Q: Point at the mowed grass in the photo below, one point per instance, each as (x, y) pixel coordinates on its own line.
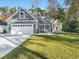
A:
(59, 46)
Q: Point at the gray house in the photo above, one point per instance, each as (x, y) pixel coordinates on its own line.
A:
(22, 22)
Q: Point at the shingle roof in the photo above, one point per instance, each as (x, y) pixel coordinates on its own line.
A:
(3, 22)
(40, 20)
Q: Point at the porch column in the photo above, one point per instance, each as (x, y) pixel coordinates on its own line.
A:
(44, 27)
(36, 27)
(50, 28)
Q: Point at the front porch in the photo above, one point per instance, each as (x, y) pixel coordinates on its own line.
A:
(44, 28)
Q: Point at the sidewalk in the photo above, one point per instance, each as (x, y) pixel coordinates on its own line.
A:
(10, 42)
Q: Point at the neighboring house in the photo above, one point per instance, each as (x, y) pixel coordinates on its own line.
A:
(56, 26)
(3, 26)
(22, 22)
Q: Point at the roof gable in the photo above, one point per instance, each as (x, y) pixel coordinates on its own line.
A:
(40, 21)
(57, 22)
(44, 20)
(47, 20)
(16, 15)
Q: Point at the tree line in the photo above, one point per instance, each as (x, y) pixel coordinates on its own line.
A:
(6, 12)
(68, 15)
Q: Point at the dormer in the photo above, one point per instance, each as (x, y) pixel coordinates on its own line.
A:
(21, 15)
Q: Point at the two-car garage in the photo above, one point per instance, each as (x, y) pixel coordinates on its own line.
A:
(22, 29)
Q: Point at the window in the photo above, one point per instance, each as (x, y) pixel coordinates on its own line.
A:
(14, 25)
(22, 15)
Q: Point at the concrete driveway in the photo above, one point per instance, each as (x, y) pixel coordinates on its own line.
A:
(10, 42)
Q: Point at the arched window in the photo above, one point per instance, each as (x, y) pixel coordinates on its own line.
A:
(22, 15)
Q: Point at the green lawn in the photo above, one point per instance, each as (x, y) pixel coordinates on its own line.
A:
(59, 46)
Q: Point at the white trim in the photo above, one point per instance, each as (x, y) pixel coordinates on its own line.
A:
(30, 14)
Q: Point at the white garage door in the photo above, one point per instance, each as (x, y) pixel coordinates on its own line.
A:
(22, 29)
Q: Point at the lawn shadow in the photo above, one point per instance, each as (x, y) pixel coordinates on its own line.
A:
(26, 52)
(33, 52)
(30, 42)
(67, 41)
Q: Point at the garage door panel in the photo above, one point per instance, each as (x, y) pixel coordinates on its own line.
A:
(22, 29)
